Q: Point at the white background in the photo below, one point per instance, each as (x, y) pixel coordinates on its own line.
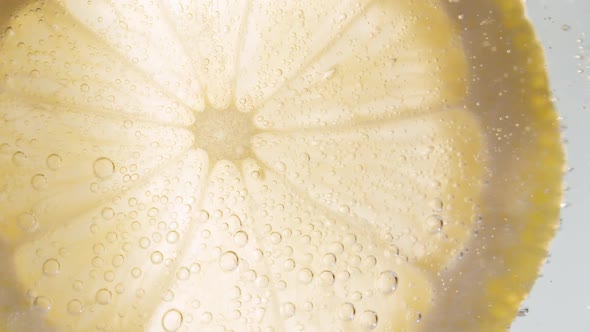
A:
(560, 299)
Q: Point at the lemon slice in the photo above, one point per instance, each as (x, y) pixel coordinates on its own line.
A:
(272, 165)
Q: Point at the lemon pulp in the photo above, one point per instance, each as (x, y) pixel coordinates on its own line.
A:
(282, 166)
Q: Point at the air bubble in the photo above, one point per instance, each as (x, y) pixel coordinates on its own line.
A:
(28, 222)
(156, 257)
(136, 272)
(387, 282)
(172, 236)
(75, 307)
(77, 285)
(172, 320)
(9, 32)
(436, 204)
(39, 182)
(168, 295)
(206, 317)
(369, 320)
(103, 168)
(103, 296)
(329, 260)
(195, 268)
(228, 261)
(144, 242)
(43, 303)
(107, 213)
(119, 288)
(118, 260)
(346, 311)
(262, 282)
(327, 278)
(183, 273)
(109, 276)
(289, 265)
(344, 209)
(305, 276)
(241, 238)
(51, 267)
(434, 223)
(19, 158)
(203, 216)
(275, 238)
(336, 247)
(287, 309)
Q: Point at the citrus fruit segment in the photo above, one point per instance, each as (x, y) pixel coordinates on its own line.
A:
(276, 166)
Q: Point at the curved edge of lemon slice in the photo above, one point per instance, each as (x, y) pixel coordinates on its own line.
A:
(521, 201)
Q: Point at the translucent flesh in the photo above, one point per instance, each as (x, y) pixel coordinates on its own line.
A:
(218, 165)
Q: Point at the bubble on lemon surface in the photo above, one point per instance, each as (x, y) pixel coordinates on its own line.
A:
(346, 311)
(262, 281)
(228, 261)
(118, 260)
(42, 303)
(144, 242)
(206, 317)
(434, 223)
(203, 216)
(103, 168)
(326, 278)
(75, 307)
(168, 295)
(156, 257)
(183, 273)
(287, 309)
(172, 320)
(387, 282)
(19, 158)
(241, 238)
(39, 181)
(51, 267)
(172, 237)
(289, 265)
(329, 260)
(28, 222)
(103, 296)
(305, 276)
(77, 285)
(108, 213)
(136, 272)
(369, 320)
